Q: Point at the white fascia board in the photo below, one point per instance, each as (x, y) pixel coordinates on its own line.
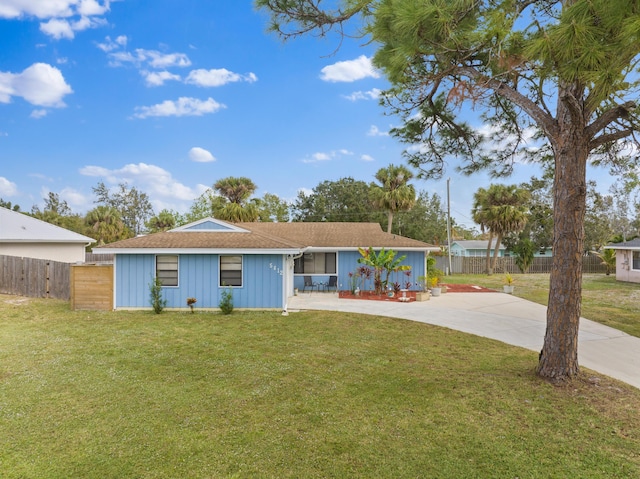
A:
(628, 248)
(311, 249)
(194, 251)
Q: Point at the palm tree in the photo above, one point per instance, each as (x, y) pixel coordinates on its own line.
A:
(106, 225)
(394, 194)
(163, 221)
(237, 191)
(502, 209)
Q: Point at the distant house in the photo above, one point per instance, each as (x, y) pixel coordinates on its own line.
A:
(24, 236)
(471, 248)
(262, 263)
(627, 260)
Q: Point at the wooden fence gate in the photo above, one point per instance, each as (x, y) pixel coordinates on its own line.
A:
(92, 287)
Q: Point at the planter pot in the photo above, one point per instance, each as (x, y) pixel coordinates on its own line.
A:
(423, 296)
(295, 291)
(443, 289)
(508, 288)
(436, 291)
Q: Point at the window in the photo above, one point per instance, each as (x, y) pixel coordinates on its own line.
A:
(167, 269)
(230, 270)
(636, 260)
(315, 263)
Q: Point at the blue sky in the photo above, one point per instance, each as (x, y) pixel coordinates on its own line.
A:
(170, 96)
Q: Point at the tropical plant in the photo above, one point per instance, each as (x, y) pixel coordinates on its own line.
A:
(502, 210)
(525, 252)
(191, 302)
(105, 225)
(394, 193)
(508, 279)
(163, 221)
(607, 259)
(382, 262)
(237, 192)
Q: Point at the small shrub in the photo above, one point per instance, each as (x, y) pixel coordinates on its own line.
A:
(226, 301)
(191, 302)
(155, 296)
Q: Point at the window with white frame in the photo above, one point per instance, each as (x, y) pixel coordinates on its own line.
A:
(167, 269)
(315, 263)
(231, 270)
(636, 260)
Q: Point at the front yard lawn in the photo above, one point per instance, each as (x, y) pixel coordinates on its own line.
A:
(310, 395)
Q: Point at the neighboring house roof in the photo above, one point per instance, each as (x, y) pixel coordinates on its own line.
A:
(476, 244)
(281, 237)
(17, 227)
(631, 244)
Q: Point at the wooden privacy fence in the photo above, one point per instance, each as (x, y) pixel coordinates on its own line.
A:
(36, 278)
(92, 287)
(477, 265)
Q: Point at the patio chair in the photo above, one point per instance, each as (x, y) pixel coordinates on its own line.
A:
(333, 283)
(308, 283)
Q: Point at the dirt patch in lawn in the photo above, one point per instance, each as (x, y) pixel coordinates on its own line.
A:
(467, 288)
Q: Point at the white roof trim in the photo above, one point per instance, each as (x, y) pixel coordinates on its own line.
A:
(199, 251)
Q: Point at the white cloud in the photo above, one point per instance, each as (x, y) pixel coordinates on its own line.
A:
(35, 8)
(110, 45)
(37, 114)
(74, 198)
(200, 155)
(57, 28)
(350, 70)
(375, 131)
(184, 106)
(157, 182)
(366, 158)
(40, 84)
(217, 77)
(152, 58)
(7, 188)
(372, 94)
(60, 14)
(158, 78)
(322, 156)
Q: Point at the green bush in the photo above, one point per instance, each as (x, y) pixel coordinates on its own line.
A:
(155, 296)
(226, 301)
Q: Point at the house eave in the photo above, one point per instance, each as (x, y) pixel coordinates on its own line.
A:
(117, 251)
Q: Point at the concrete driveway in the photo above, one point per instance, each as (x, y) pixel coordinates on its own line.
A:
(498, 316)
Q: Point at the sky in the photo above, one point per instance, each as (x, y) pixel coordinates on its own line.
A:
(170, 96)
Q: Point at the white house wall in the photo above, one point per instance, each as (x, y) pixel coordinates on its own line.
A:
(62, 252)
(624, 271)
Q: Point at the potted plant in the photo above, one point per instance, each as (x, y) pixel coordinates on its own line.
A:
(434, 282)
(508, 284)
(423, 294)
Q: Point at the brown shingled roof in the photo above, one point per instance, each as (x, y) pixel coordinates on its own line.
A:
(336, 235)
(274, 236)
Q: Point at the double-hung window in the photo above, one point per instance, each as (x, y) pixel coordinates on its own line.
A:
(167, 269)
(231, 270)
(636, 260)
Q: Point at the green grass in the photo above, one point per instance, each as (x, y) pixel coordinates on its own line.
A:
(311, 395)
(605, 300)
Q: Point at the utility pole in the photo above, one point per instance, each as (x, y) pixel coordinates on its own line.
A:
(449, 225)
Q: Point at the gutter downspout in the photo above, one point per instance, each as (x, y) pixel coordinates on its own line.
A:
(288, 261)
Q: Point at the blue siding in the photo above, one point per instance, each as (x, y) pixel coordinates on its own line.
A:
(198, 277)
(208, 226)
(348, 263)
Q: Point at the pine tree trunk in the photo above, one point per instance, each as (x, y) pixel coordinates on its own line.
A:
(559, 355)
